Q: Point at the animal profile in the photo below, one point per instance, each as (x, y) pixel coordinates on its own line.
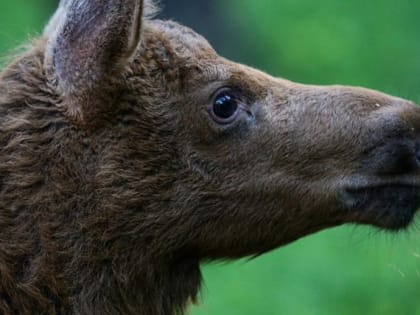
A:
(130, 152)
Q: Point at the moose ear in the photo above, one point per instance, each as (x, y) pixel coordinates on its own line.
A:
(89, 42)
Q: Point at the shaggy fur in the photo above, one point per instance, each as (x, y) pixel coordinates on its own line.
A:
(116, 181)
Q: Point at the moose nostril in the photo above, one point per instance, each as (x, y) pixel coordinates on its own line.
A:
(397, 158)
(418, 152)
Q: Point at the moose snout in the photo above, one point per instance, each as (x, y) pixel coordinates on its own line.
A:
(385, 189)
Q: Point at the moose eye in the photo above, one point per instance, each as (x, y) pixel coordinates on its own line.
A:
(225, 107)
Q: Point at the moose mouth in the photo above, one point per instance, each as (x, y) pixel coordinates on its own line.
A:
(391, 206)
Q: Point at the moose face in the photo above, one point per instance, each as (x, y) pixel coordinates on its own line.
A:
(253, 161)
(270, 160)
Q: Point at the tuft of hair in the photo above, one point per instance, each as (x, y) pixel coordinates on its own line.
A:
(151, 8)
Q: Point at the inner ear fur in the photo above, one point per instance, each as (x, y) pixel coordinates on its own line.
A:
(89, 42)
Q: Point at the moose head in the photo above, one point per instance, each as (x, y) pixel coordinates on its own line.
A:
(131, 152)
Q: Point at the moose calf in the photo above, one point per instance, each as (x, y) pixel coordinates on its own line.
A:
(131, 152)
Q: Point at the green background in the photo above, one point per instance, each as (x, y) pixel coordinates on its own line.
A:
(376, 44)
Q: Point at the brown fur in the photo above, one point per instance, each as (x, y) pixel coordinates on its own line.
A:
(115, 182)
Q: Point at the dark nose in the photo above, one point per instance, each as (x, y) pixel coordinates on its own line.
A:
(418, 152)
(393, 143)
(397, 157)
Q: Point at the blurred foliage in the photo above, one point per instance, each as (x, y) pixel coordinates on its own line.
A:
(343, 271)
(370, 43)
(22, 19)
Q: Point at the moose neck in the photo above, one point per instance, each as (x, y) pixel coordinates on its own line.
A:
(168, 291)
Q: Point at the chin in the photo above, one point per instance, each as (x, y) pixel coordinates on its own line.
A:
(391, 207)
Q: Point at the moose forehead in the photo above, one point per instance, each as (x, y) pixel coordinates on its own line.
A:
(183, 40)
(176, 48)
